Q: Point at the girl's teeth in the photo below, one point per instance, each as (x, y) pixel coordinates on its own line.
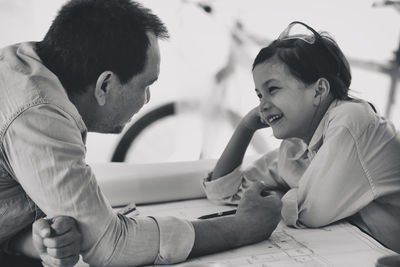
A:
(274, 118)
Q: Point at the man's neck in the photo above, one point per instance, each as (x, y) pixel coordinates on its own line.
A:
(86, 108)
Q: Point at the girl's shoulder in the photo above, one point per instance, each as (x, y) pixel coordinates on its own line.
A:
(352, 114)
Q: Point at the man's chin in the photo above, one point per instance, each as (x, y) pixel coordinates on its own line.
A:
(108, 129)
(117, 129)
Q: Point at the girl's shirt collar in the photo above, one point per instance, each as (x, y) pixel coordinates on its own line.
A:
(317, 139)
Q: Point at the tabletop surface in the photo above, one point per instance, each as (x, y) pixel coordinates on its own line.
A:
(340, 244)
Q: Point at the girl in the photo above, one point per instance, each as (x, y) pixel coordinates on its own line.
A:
(338, 158)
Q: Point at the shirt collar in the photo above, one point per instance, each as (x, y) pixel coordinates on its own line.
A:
(58, 92)
(317, 138)
(301, 148)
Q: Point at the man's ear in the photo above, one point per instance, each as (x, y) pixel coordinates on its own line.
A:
(103, 87)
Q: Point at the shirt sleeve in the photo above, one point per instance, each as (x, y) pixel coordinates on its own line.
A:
(334, 186)
(229, 188)
(47, 155)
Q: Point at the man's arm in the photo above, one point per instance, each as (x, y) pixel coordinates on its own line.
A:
(57, 240)
(56, 245)
(46, 154)
(60, 182)
(256, 218)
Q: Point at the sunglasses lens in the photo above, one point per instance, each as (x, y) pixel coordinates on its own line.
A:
(298, 31)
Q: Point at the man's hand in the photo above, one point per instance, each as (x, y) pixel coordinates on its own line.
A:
(58, 241)
(256, 218)
(259, 213)
(253, 120)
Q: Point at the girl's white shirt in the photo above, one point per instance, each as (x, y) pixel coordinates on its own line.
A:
(351, 166)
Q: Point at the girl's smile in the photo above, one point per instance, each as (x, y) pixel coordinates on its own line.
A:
(273, 119)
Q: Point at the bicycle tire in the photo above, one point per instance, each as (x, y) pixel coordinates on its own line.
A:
(161, 112)
(137, 127)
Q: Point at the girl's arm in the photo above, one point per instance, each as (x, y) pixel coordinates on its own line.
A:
(234, 152)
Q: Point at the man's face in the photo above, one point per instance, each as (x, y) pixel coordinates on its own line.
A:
(127, 99)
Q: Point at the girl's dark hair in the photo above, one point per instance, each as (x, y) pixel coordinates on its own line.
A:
(88, 37)
(309, 62)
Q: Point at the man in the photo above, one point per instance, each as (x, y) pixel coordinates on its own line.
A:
(92, 72)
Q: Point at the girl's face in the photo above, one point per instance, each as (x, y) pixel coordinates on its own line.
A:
(286, 103)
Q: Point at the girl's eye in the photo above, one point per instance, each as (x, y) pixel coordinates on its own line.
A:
(273, 89)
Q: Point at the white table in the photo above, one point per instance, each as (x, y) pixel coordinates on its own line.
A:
(341, 244)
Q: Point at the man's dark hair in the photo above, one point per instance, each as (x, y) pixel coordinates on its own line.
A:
(88, 37)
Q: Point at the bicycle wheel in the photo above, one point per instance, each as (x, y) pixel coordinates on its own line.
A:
(179, 131)
(133, 132)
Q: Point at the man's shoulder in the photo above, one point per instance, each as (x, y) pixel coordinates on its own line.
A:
(25, 83)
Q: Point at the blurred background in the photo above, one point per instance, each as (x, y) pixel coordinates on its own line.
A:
(206, 65)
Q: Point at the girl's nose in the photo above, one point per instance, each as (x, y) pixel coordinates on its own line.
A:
(264, 104)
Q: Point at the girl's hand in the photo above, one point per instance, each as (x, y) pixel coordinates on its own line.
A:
(253, 120)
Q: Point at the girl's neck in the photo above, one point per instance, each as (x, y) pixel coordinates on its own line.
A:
(319, 113)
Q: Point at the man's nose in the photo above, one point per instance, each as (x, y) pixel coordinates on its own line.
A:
(147, 95)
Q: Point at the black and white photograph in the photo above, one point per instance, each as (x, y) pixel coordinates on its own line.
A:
(200, 133)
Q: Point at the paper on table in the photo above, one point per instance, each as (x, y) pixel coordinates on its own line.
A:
(123, 183)
(340, 244)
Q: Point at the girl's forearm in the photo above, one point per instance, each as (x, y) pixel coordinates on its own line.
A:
(234, 152)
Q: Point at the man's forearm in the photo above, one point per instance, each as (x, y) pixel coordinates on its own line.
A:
(223, 233)
(214, 235)
(255, 219)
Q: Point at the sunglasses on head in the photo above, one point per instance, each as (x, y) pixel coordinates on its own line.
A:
(299, 30)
